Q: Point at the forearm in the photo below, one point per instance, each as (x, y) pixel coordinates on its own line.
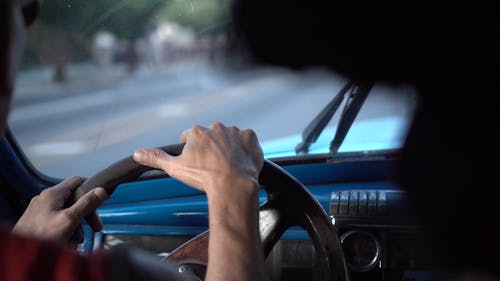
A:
(225, 162)
(235, 248)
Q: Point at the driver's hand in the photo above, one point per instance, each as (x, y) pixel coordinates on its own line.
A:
(48, 218)
(213, 158)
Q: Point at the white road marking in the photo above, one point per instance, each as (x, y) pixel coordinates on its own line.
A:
(173, 110)
(58, 148)
(66, 105)
(122, 126)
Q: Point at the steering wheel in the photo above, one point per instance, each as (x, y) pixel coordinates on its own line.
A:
(289, 204)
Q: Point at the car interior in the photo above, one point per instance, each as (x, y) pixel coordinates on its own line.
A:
(364, 207)
(328, 212)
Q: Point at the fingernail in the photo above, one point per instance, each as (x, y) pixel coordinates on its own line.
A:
(76, 179)
(101, 193)
(140, 155)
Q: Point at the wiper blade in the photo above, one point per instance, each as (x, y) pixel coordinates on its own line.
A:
(318, 124)
(351, 109)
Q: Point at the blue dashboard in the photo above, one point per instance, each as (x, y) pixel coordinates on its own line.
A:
(165, 206)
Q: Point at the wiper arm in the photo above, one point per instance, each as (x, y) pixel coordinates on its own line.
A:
(354, 102)
(318, 124)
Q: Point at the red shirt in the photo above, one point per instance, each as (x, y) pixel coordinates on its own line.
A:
(23, 259)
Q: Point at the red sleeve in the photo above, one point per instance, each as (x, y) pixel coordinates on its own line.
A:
(23, 259)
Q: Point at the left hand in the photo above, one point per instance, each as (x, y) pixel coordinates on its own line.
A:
(47, 217)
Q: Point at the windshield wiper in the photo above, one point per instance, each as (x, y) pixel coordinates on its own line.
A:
(318, 124)
(356, 98)
(353, 104)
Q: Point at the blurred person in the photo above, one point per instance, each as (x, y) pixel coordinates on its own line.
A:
(104, 46)
(36, 249)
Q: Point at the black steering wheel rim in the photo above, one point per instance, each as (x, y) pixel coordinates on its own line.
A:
(289, 204)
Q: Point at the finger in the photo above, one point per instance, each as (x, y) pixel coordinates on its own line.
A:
(219, 131)
(252, 145)
(248, 135)
(87, 204)
(66, 186)
(249, 139)
(184, 135)
(155, 158)
(234, 132)
(217, 126)
(78, 235)
(94, 221)
(195, 130)
(63, 190)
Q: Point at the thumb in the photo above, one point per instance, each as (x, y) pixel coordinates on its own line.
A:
(155, 158)
(87, 204)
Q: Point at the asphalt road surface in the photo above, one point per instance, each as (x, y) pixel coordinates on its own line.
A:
(80, 128)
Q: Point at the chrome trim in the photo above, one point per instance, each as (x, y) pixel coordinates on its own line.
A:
(372, 202)
(334, 203)
(354, 202)
(344, 203)
(375, 258)
(379, 207)
(382, 202)
(362, 203)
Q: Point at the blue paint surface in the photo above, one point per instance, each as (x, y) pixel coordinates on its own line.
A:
(383, 133)
(167, 207)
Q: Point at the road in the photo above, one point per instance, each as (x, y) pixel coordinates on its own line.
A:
(80, 130)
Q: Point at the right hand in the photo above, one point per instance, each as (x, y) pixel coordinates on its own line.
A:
(212, 158)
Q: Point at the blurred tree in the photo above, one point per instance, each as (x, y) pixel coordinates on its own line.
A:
(64, 27)
(199, 15)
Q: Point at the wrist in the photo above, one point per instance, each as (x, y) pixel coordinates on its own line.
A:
(231, 188)
(236, 200)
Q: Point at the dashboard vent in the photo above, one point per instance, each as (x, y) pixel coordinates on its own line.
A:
(367, 203)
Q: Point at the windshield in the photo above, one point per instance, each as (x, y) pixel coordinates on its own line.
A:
(102, 78)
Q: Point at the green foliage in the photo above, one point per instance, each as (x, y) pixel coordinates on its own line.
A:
(128, 18)
(64, 29)
(199, 15)
(125, 18)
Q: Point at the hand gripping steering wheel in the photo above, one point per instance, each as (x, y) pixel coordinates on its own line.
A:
(289, 204)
